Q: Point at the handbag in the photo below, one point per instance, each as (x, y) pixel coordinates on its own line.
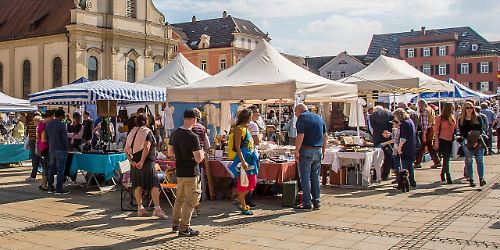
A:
(136, 157)
(243, 177)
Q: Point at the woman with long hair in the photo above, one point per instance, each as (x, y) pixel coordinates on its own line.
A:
(469, 122)
(244, 158)
(444, 131)
(141, 152)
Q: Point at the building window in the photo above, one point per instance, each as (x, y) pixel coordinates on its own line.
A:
(249, 43)
(485, 67)
(131, 9)
(26, 78)
(57, 72)
(203, 65)
(474, 47)
(329, 75)
(342, 74)
(426, 69)
(464, 68)
(222, 64)
(157, 67)
(411, 53)
(343, 62)
(427, 52)
(92, 67)
(130, 71)
(175, 48)
(442, 70)
(1, 77)
(243, 43)
(442, 51)
(256, 43)
(467, 84)
(485, 86)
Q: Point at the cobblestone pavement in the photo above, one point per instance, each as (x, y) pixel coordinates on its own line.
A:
(434, 216)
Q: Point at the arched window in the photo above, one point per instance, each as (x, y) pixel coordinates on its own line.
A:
(131, 71)
(92, 67)
(1, 77)
(26, 78)
(57, 72)
(342, 62)
(131, 9)
(157, 67)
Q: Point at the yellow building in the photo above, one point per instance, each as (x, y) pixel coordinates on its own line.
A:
(45, 44)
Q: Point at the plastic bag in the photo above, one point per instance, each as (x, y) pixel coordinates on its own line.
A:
(243, 177)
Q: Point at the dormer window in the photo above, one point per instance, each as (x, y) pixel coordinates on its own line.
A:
(204, 42)
(474, 46)
(342, 62)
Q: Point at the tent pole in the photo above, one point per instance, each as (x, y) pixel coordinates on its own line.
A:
(357, 116)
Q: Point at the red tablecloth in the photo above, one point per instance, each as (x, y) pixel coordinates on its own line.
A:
(279, 172)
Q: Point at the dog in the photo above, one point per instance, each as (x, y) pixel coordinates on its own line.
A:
(404, 182)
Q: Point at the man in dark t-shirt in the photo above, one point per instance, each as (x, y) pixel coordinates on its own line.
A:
(185, 146)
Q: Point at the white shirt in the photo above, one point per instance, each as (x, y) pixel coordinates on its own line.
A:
(254, 128)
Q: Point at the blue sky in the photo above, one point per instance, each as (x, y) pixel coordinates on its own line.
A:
(327, 27)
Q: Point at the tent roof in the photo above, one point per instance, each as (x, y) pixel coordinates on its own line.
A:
(11, 104)
(177, 73)
(461, 92)
(388, 74)
(89, 92)
(264, 74)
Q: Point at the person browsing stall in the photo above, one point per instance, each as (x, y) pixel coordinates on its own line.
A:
(201, 132)
(310, 147)
(185, 146)
(57, 137)
(140, 149)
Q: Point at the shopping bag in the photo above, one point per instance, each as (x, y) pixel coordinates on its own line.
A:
(243, 177)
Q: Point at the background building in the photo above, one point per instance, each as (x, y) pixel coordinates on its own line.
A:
(336, 67)
(460, 53)
(217, 44)
(45, 44)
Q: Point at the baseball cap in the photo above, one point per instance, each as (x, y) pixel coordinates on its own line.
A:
(189, 113)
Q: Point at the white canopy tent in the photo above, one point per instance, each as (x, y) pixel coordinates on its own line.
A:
(392, 75)
(177, 73)
(11, 104)
(264, 74)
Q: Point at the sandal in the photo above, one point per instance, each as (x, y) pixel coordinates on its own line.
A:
(246, 211)
(141, 212)
(160, 214)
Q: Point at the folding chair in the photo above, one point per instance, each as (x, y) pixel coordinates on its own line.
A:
(167, 184)
(126, 187)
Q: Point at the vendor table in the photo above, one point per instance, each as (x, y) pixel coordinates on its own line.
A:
(366, 160)
(105, 164)
(12, 153)
(269, 171)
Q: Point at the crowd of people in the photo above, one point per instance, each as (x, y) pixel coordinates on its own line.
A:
(405, 136)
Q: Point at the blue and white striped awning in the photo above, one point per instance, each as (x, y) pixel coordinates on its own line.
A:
(90, 92)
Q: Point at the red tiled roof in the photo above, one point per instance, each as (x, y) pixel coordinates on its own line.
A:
(31, 18)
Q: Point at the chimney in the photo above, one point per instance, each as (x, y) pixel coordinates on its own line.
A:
(423, 30)
(193, 19)
(383, 51)
(411, 30)
(224, 14)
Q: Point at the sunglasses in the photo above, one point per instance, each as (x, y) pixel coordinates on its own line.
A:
(469, 108)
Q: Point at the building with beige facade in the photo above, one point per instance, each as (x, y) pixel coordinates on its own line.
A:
(45, 44)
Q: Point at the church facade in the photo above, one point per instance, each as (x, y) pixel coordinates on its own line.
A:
(45, 44)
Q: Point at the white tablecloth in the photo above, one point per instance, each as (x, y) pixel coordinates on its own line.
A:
(368, 159)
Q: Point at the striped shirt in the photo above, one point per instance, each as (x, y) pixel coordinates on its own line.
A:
(200, 131)
(31, 130)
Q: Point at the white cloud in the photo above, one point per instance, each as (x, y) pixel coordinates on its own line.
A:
(335, 34)
(298, 8)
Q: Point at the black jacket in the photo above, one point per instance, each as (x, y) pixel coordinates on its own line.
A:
(380, 121)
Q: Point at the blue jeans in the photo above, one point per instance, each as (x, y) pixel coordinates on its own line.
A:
(309, 170)
(469, 155)
(408, 165)
(57, 166)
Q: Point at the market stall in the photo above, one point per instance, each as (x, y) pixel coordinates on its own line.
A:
(12, 150)
(460, 92)
(112, 92)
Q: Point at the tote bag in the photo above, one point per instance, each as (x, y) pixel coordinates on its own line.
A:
(243, 177)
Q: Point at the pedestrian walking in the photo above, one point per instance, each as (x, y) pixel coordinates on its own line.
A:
(426, 127)
(444, 133)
